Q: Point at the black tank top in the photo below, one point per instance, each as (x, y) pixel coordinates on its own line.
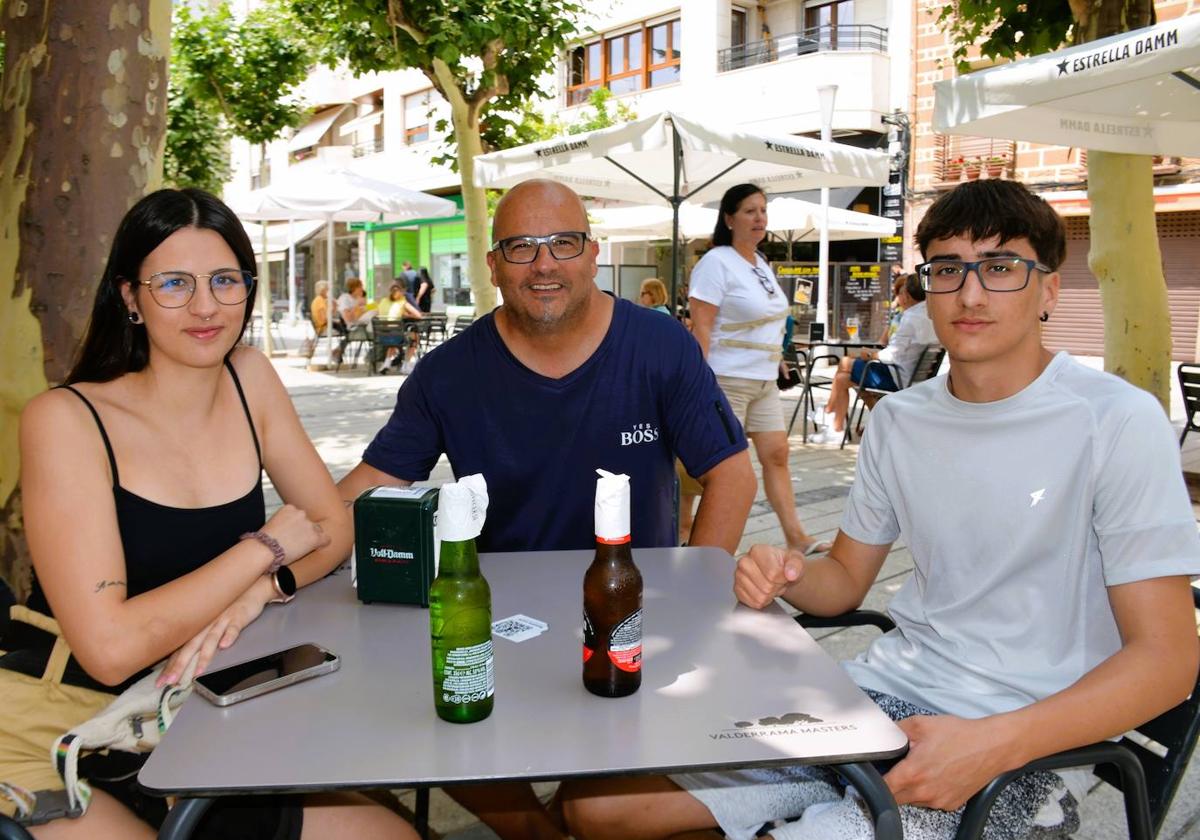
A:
(160, 543)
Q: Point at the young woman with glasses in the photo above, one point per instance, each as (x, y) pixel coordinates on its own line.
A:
(144, 504)
(738, 315)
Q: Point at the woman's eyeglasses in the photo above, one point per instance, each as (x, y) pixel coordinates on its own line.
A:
(173, 289)
(764, 280)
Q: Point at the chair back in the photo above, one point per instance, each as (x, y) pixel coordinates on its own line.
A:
(461, 323)
(1175, 731)
(390, 332)
(1189, 386)
(928, 364)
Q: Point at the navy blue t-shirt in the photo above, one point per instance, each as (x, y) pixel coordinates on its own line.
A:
(643, 397)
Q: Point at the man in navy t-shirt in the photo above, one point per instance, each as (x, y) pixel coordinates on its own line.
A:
(559, 381)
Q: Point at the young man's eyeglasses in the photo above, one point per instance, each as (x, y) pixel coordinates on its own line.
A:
(996, 274)
(566, 245)
(173, 289)
(764, 280)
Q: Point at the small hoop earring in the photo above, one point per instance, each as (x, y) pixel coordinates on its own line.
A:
(134, 317)
(1045, 317)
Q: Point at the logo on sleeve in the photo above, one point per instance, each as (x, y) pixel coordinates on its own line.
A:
(1036, 496)
(640, 433)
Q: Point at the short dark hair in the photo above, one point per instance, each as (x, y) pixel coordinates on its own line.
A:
(997, 208)
(733, 198)
(112, 345)
(912, 285)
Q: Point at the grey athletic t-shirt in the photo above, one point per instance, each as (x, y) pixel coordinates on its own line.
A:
(1018, 513)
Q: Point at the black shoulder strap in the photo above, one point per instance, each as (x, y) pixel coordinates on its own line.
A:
(103, 434)
(237, 383)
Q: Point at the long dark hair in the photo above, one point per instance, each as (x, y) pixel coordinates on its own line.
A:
(733, 198)
(114, 346)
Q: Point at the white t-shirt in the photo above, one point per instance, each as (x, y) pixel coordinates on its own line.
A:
(914, 334)
(747, 338)
(1018, 513)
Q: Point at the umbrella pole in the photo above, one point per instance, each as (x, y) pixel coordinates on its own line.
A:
(329, 284)
(264, 292)
(291, 272)
(676, 200)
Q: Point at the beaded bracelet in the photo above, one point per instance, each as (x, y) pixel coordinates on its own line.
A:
(271, 543)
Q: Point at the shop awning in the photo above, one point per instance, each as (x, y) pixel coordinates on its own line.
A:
(310, 133)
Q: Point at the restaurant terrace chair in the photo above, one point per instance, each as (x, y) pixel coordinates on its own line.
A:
(928, 364)
(806, 406)
(460, 324)
(1146, 765)
(389, 332)
(1189, 386)
(356, 338)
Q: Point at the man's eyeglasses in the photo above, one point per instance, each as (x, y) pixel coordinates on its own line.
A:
(764, 280)
(566, 245)
(173, 289)
(996, 274)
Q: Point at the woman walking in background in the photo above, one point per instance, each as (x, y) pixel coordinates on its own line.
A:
(738, 312)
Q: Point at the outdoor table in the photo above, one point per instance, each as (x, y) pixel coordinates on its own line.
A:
(724, 686)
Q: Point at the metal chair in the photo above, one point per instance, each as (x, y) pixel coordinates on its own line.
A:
(928, 364)
(390, 332)
(806, 404)
(1147, 768)
(1189, 385)
(460, 324)
(357, 336)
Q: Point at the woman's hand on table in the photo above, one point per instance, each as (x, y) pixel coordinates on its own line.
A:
(220, 634)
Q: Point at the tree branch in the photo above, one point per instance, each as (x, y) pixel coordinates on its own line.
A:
(398, 19)
(490, 58)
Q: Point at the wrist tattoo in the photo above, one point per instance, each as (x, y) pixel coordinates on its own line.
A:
(105, 584)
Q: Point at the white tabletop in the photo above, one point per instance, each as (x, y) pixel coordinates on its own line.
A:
(719, 680)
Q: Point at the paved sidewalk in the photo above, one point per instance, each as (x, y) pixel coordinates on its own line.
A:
(342, 412)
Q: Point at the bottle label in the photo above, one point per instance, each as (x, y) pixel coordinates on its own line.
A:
(625, 643)
(469, 674)
(589, 637)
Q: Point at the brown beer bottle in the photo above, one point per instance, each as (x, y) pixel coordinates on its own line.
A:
(612, 598)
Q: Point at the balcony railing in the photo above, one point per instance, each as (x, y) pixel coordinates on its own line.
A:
(815, 39)
(368, 147)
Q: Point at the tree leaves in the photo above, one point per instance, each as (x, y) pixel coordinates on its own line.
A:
(1006, 28)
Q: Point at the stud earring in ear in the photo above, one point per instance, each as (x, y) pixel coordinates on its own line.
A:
(1045, 317)
(134, 317)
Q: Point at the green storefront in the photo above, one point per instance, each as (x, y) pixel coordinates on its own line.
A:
(439, 245)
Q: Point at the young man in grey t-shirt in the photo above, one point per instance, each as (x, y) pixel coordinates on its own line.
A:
(1052, 539)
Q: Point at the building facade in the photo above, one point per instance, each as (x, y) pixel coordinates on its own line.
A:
(1060, 175)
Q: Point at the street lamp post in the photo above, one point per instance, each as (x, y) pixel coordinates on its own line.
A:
(827, 94)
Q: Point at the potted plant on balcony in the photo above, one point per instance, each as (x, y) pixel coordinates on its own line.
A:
(972, 167)
(995, 166)
(952, 170)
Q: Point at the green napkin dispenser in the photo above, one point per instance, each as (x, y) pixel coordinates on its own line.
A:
(394, 544)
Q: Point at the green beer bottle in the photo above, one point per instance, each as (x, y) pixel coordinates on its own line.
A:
(460, 608)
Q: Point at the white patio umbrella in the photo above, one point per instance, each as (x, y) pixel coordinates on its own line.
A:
(336, 195)
(672, 159)
(795, 219)
(1137, 93)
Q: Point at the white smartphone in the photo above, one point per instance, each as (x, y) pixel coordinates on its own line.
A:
(253, 677)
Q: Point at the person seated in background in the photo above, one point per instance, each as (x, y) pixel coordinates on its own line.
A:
(903, 349)
(399, 306)
(319, 308)
(353, 311)
(1052, 539)
(154, 453)
(654, 295)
